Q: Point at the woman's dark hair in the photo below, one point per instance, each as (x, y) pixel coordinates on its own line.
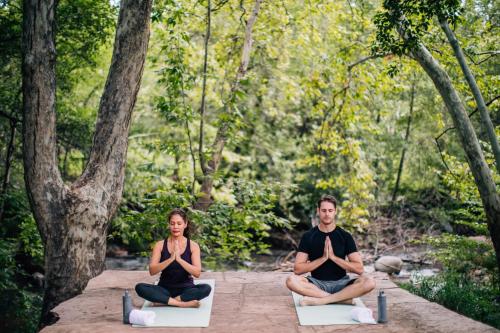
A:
(181, 213)
(328, 198)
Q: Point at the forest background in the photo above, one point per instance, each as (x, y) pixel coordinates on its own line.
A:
(248, 135)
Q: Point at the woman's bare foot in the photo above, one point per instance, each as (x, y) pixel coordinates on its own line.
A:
(181, 304)
(177, 301)
(157, 304)
(189, 304)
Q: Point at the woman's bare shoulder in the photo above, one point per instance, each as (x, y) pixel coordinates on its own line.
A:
(194, 244)
(159, 244)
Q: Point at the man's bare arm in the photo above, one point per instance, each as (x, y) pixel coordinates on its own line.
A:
(355, 263)
(302, 265)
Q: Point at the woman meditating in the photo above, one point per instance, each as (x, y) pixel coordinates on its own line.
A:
(178, 260)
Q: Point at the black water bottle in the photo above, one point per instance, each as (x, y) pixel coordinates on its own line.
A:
(127, 307)
(382, 307)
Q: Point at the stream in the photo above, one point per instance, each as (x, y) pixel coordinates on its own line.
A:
(278, 261)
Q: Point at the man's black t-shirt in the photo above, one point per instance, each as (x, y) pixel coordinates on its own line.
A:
(313, 243)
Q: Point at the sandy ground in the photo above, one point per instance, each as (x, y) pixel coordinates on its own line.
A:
(252, 302)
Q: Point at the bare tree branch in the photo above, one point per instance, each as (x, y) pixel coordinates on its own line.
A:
(365, 59)
(203, 164)
(444, 161)
(470, 115)
(344, 89)
(10, 117)
(219, 5)
(221, 137)
(491, 54)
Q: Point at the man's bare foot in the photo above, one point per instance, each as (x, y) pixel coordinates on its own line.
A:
(189, 304)
(349, 301)
(307, 301)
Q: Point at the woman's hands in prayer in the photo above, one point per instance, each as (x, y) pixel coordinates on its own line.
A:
(177, 250)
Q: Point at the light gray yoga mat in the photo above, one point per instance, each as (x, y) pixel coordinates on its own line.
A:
(331, 314)
(170, 316)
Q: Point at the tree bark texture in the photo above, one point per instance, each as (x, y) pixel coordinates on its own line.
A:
(210, 168)
(478, 97)
(468, 139)
(72, 219)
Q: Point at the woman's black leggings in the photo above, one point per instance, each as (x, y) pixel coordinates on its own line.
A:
(158, 294)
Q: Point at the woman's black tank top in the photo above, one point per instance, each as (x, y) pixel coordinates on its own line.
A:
(175, 276)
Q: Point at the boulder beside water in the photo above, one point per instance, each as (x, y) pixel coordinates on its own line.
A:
(389, 264)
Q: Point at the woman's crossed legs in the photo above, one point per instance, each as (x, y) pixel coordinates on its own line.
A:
(180, 297)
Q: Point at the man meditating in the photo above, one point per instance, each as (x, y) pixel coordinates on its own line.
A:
(323, 251)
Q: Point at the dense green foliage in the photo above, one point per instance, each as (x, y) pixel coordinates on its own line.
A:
(21, 254)
(323, 108)
(23, 301)
(468, 283)
(228, 233)
(460, 293)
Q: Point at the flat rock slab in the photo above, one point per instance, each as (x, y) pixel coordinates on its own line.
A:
(252, 302)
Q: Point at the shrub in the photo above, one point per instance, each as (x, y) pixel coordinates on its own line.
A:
(228, 233)
(21, 312)
(468, 283)
(460, 293)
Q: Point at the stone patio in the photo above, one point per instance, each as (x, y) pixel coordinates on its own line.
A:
(252, 302)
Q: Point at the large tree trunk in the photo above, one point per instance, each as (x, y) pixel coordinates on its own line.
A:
(475, 158)
(73, 219)
(478, 97)
(210, 168)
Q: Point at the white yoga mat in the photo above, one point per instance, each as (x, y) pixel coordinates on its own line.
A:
(331, 314)
(170, 316)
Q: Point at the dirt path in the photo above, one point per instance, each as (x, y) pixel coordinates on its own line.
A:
(252, 302)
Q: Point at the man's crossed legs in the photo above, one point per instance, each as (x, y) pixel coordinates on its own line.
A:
(314, 295)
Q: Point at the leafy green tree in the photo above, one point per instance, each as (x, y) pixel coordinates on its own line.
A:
(400, 29)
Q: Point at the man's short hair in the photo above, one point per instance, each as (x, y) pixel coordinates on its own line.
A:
(327, 198)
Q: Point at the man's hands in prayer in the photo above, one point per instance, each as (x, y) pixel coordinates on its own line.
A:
(328, 250)
(325, 250)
